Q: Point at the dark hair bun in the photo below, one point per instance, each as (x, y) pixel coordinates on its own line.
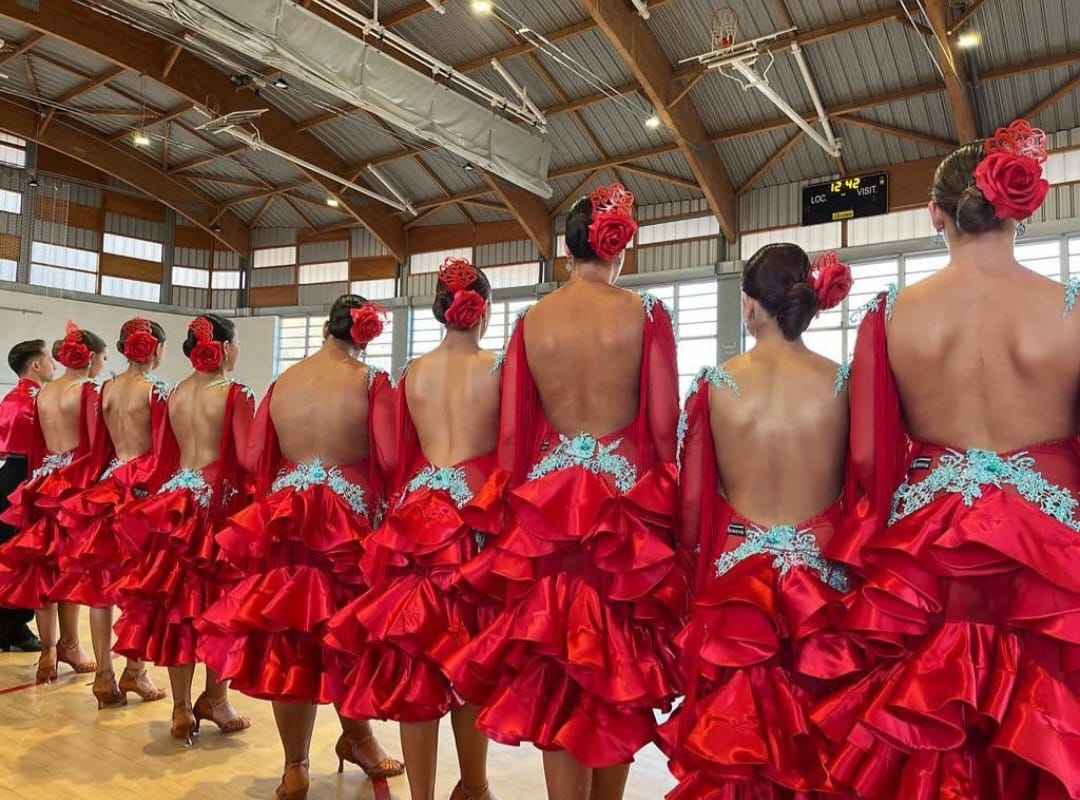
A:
(224, 331)
(957, 195)
(577, 230)
(340, 322)
(444, 297)
(796, 310)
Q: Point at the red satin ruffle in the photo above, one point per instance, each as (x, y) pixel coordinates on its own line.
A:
(416, 605)
(983, 601)
(301, 551)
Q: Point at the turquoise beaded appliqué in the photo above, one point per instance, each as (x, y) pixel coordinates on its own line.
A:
(116, 462)
(500, 359)
(250, 395)
(874, 304)
(790, 548)
(585, 452)
(649, 301)
(304, 476)
(451, 480)
(191, 480)
(967, 473)
(1072, 294)
(843, 375)
(160, 388)
(52, 462)
(718, 377)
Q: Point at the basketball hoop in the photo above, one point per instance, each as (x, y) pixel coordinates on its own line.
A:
(725, 29)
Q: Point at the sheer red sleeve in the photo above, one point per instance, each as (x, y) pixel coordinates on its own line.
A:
(98, 441)
(260, 455)
(241, 414)
(520, 410)
(698, 480)
(406, 441)
(878, 439)
(660, 379)
(382, 430)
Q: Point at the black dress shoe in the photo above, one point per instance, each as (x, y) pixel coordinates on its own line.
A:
(27, 644)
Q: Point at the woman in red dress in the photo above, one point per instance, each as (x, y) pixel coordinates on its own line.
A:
(964, 425)
(320, 491)
(134, 410)
(447, 426)
(764, 444)
(582, 653)
(180, 573)
(65, 458)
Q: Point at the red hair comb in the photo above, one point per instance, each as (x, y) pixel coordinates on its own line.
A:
(612, 197)
(1020, 139)
(203, 330)
(457, 274)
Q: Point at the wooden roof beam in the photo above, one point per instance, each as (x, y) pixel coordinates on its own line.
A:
(900, 133)
(78, 91)
(771, 162)
(963, 18)
(641, 52)
(22, 48)
(160, 119)
(528, 209)
(675, 180)
(85, 146)
(1066, 88)
(955, 69)
(194, 80)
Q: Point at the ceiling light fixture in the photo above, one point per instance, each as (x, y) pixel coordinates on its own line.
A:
(482, 6)
(333, 202)
(33, 183)
(653, 122)
(140, 139)
(215, 228)
(468, 167)
(280, 82)
(968, 40)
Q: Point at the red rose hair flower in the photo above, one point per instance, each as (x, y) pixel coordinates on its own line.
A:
(831, 280)
(367, 323)
(73, 352)
(1011, 175)
(139, 340)
(466, 309)
(207, 355)
(612, 225)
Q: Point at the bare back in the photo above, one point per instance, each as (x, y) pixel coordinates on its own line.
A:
(986, 360)
(584, 344)
(59, 408)
(126, 405)
(453, 399)
(781, 442)
(197, 416)
(320, 409)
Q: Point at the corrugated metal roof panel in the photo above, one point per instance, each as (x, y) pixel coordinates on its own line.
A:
(620, 131)
(1013, 33)
(270, 167)
(457, 36)
(569, 145)
(724, 104)
(52, 80)
(220, 192)
(811, 14)
(355, 138)
(84, 61)
(452, 172)
(669, 163)
(147, 90)
(408, 176)
(1004, 99)
(14, 33)
(481, 214)
(525, 73)
(447, 215)
(650, 192)
(592, 62)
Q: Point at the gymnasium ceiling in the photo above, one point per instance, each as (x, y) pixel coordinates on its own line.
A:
(82, 81)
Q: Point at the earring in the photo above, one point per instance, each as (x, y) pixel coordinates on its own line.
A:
(939, 238)
(1021, 229)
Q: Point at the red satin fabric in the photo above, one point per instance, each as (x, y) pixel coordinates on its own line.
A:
(416, 606)
(33, 563)
(582, 652)
(18, 418)
(179, 572)
(974, 614)
(300, 553)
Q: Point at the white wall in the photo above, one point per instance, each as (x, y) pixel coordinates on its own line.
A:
(31, 316)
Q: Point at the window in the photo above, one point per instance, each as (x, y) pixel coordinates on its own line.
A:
(59, 267)
(299, 337)
(376, 289)
(56, 278)
(191, 277)
(225, 279)
(430, 262)
(812, 239)
(679, 230)
(511, 275)
(10, 201)
(274, 257)
(8, 269)
(129, 289)
(694, 309)
(1063, 167)
(1043, 257)
(1074, 256)
(329, 272)
(897, 226)
(130, 247)
(425, 332)
(501, 326)
(12, 150)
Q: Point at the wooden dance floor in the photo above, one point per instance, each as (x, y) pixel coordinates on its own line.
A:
(56, 745)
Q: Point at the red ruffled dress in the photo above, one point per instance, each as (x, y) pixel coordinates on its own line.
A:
(417, 613)
(98, 550)
(32, 564)
(299, 547)
(759, 649)
(586, 569)
(972, 574)
(180, 572)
